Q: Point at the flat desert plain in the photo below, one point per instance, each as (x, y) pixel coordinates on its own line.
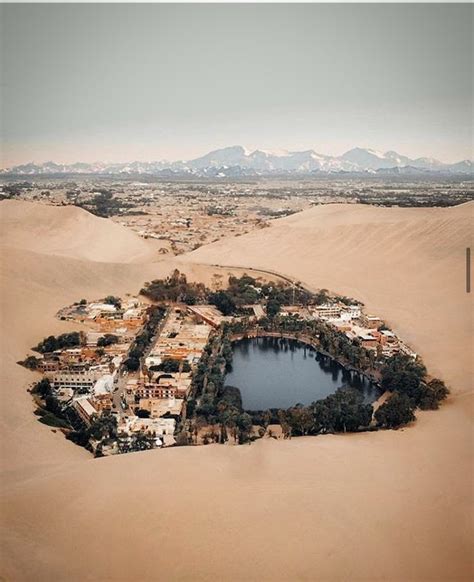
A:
(392, 505)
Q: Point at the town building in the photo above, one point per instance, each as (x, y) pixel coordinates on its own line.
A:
(84, 408)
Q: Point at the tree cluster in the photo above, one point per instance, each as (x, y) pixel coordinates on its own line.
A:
(343, 411)
(169, 366)
(104, 204)
(142, 341)
(107, 340)
(65, 340)
(31, 362)
(175, 288)
(112, 300)
(406, 379)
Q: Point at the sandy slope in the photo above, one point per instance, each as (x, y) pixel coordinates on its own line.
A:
(385, 506)
(70, 231)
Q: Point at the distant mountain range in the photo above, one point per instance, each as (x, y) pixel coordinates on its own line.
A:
(236, 161)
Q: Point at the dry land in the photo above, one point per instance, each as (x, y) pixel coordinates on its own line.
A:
(392, 505)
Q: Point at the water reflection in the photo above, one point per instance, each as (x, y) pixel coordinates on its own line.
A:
(277, 373)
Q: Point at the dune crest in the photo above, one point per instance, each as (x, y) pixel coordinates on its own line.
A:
(71, 232)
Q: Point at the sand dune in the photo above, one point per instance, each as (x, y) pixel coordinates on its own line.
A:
(385, 506)
(70, 231)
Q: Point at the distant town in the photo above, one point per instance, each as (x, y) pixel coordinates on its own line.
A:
(180, 216)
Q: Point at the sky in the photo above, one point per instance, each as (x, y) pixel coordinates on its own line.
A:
(123, 82)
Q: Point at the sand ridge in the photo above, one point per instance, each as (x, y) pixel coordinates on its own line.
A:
(72, 232)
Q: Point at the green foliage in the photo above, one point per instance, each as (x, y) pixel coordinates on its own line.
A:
(140, 441)
(343, 411)
(63, 341)
(132, 364)
(182, 439)
(227, 354)
(223, 301)
(229, 397)
(244, 425)
(174, 288)
(31, 362)
(143, 413)
(142, 341)
(104, 204)
(273, 307)
(322, 297)
(170, 366)
(112, 300)
(42, 388)
(143, 442)
(51, 419)
(103, 426)
(396, 412)
(107, 340)
(432, 394)
(246, 290)
(404, 375)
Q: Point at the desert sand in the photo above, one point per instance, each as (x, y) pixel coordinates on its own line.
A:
(392, 505)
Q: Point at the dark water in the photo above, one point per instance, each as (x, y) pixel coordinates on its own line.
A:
(279, 373)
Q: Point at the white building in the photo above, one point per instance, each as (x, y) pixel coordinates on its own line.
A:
(156, 426)
(104, 385)
(354, 311)
(83, 380)
(327, 311)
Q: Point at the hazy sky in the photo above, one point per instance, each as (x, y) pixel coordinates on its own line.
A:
(124, 82)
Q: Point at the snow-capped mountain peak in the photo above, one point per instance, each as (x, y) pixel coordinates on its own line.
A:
(236, 160)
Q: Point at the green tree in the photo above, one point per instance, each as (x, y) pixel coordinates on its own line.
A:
(403, 374)
(112, 300)
(432, 394)
(142, 441)
(31, 362)
(103, 426)
(273, 307)
(223, 301)
(396, 412)
(244, 423)
(107, 340)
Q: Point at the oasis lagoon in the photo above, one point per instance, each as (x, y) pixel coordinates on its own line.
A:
(279, 373)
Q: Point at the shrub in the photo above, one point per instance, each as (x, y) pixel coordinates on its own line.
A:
(31, 362)
(51, 419)
(107, 340)
(65, 340)
(396, 412)
(432, 394)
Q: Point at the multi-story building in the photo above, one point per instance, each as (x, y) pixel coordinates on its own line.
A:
(78, 379)
(84, 408)
(151, 390)
(49, 365)
(327, 311)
